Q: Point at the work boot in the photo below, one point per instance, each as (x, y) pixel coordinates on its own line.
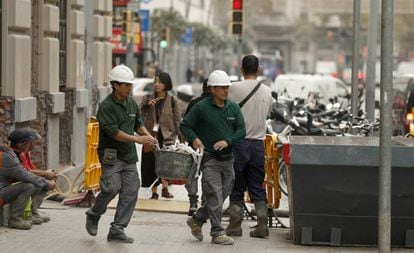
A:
(36, 220)
(222, 240)
(261, 229)
(92, 221)
(17, 208)
(121, 237)
(166, 194)
(193, 208)
(196, 230)
(236, 216)
(45, 218)
(37, 200)
(19, 223)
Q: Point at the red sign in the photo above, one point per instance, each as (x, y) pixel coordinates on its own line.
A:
(118, 46)
(120, 2)
(118, 41)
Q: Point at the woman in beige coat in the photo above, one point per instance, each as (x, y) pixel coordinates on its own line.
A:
(161, 115)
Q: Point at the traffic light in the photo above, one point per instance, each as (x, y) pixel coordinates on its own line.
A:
(126, 26)
(237, 17)
(165, 37)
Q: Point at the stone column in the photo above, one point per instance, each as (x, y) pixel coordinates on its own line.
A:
(16, 58)
(102, 48)
(46, 75)
(76, 80)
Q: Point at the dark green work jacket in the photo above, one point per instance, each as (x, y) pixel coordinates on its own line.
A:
(211, 123)
(113, 116)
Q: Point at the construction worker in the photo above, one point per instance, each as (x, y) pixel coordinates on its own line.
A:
(118, 116)
(17, 185)
(192, 186)
(255, 100)
(214, 124)
(23, 141)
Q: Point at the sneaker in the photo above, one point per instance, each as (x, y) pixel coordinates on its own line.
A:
(92, 223)
(196, 230)
(121, 237)
(222, 240)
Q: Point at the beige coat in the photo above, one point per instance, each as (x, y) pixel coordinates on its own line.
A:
(169, 120)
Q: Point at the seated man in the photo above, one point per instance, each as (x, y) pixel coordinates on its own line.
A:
(23, 141)
(28, 184)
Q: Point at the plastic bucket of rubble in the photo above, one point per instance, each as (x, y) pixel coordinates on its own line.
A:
(171, 164)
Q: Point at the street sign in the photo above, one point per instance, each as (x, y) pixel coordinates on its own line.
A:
(144, 16)
(133, 6)
(187, 36)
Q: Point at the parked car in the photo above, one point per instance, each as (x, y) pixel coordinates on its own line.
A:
(405, 68)
(142, 87)
(187, 91)
(184, 93)
(402, 103)
(402, 106)
(326, 67)
(301, 85)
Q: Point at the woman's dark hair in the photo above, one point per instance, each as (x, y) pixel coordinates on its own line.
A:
(165, 79)
(205, 86)
(250, 64)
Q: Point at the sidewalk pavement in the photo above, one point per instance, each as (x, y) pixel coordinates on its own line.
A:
(153, 232)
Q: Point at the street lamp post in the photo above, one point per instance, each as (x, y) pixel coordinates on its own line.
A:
(133, 6)
(384, 192)
(239, 54)
(371, 61)
(355, 54)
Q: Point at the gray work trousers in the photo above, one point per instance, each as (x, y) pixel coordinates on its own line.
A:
(120, 178)
(217, 184)
(19, 194)
(192, 188)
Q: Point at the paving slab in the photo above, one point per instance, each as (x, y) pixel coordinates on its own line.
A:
(152, 231)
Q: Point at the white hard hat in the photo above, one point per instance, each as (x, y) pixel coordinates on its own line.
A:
(186, 89)
(218, 78)
(122, 74)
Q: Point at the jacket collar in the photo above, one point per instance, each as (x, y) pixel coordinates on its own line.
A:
(226, 102)
(117, 101)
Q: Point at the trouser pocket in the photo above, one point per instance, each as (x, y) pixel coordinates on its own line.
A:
(109, 156)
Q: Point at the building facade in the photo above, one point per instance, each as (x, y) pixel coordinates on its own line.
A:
(178, 57)
(305, 32)
(55, 55)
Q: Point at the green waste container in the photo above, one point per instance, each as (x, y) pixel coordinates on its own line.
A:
(333, 183)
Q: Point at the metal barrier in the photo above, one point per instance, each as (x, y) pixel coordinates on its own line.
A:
(93, 168)
(272, 171)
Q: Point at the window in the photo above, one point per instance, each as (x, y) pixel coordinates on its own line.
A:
(62, 42)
